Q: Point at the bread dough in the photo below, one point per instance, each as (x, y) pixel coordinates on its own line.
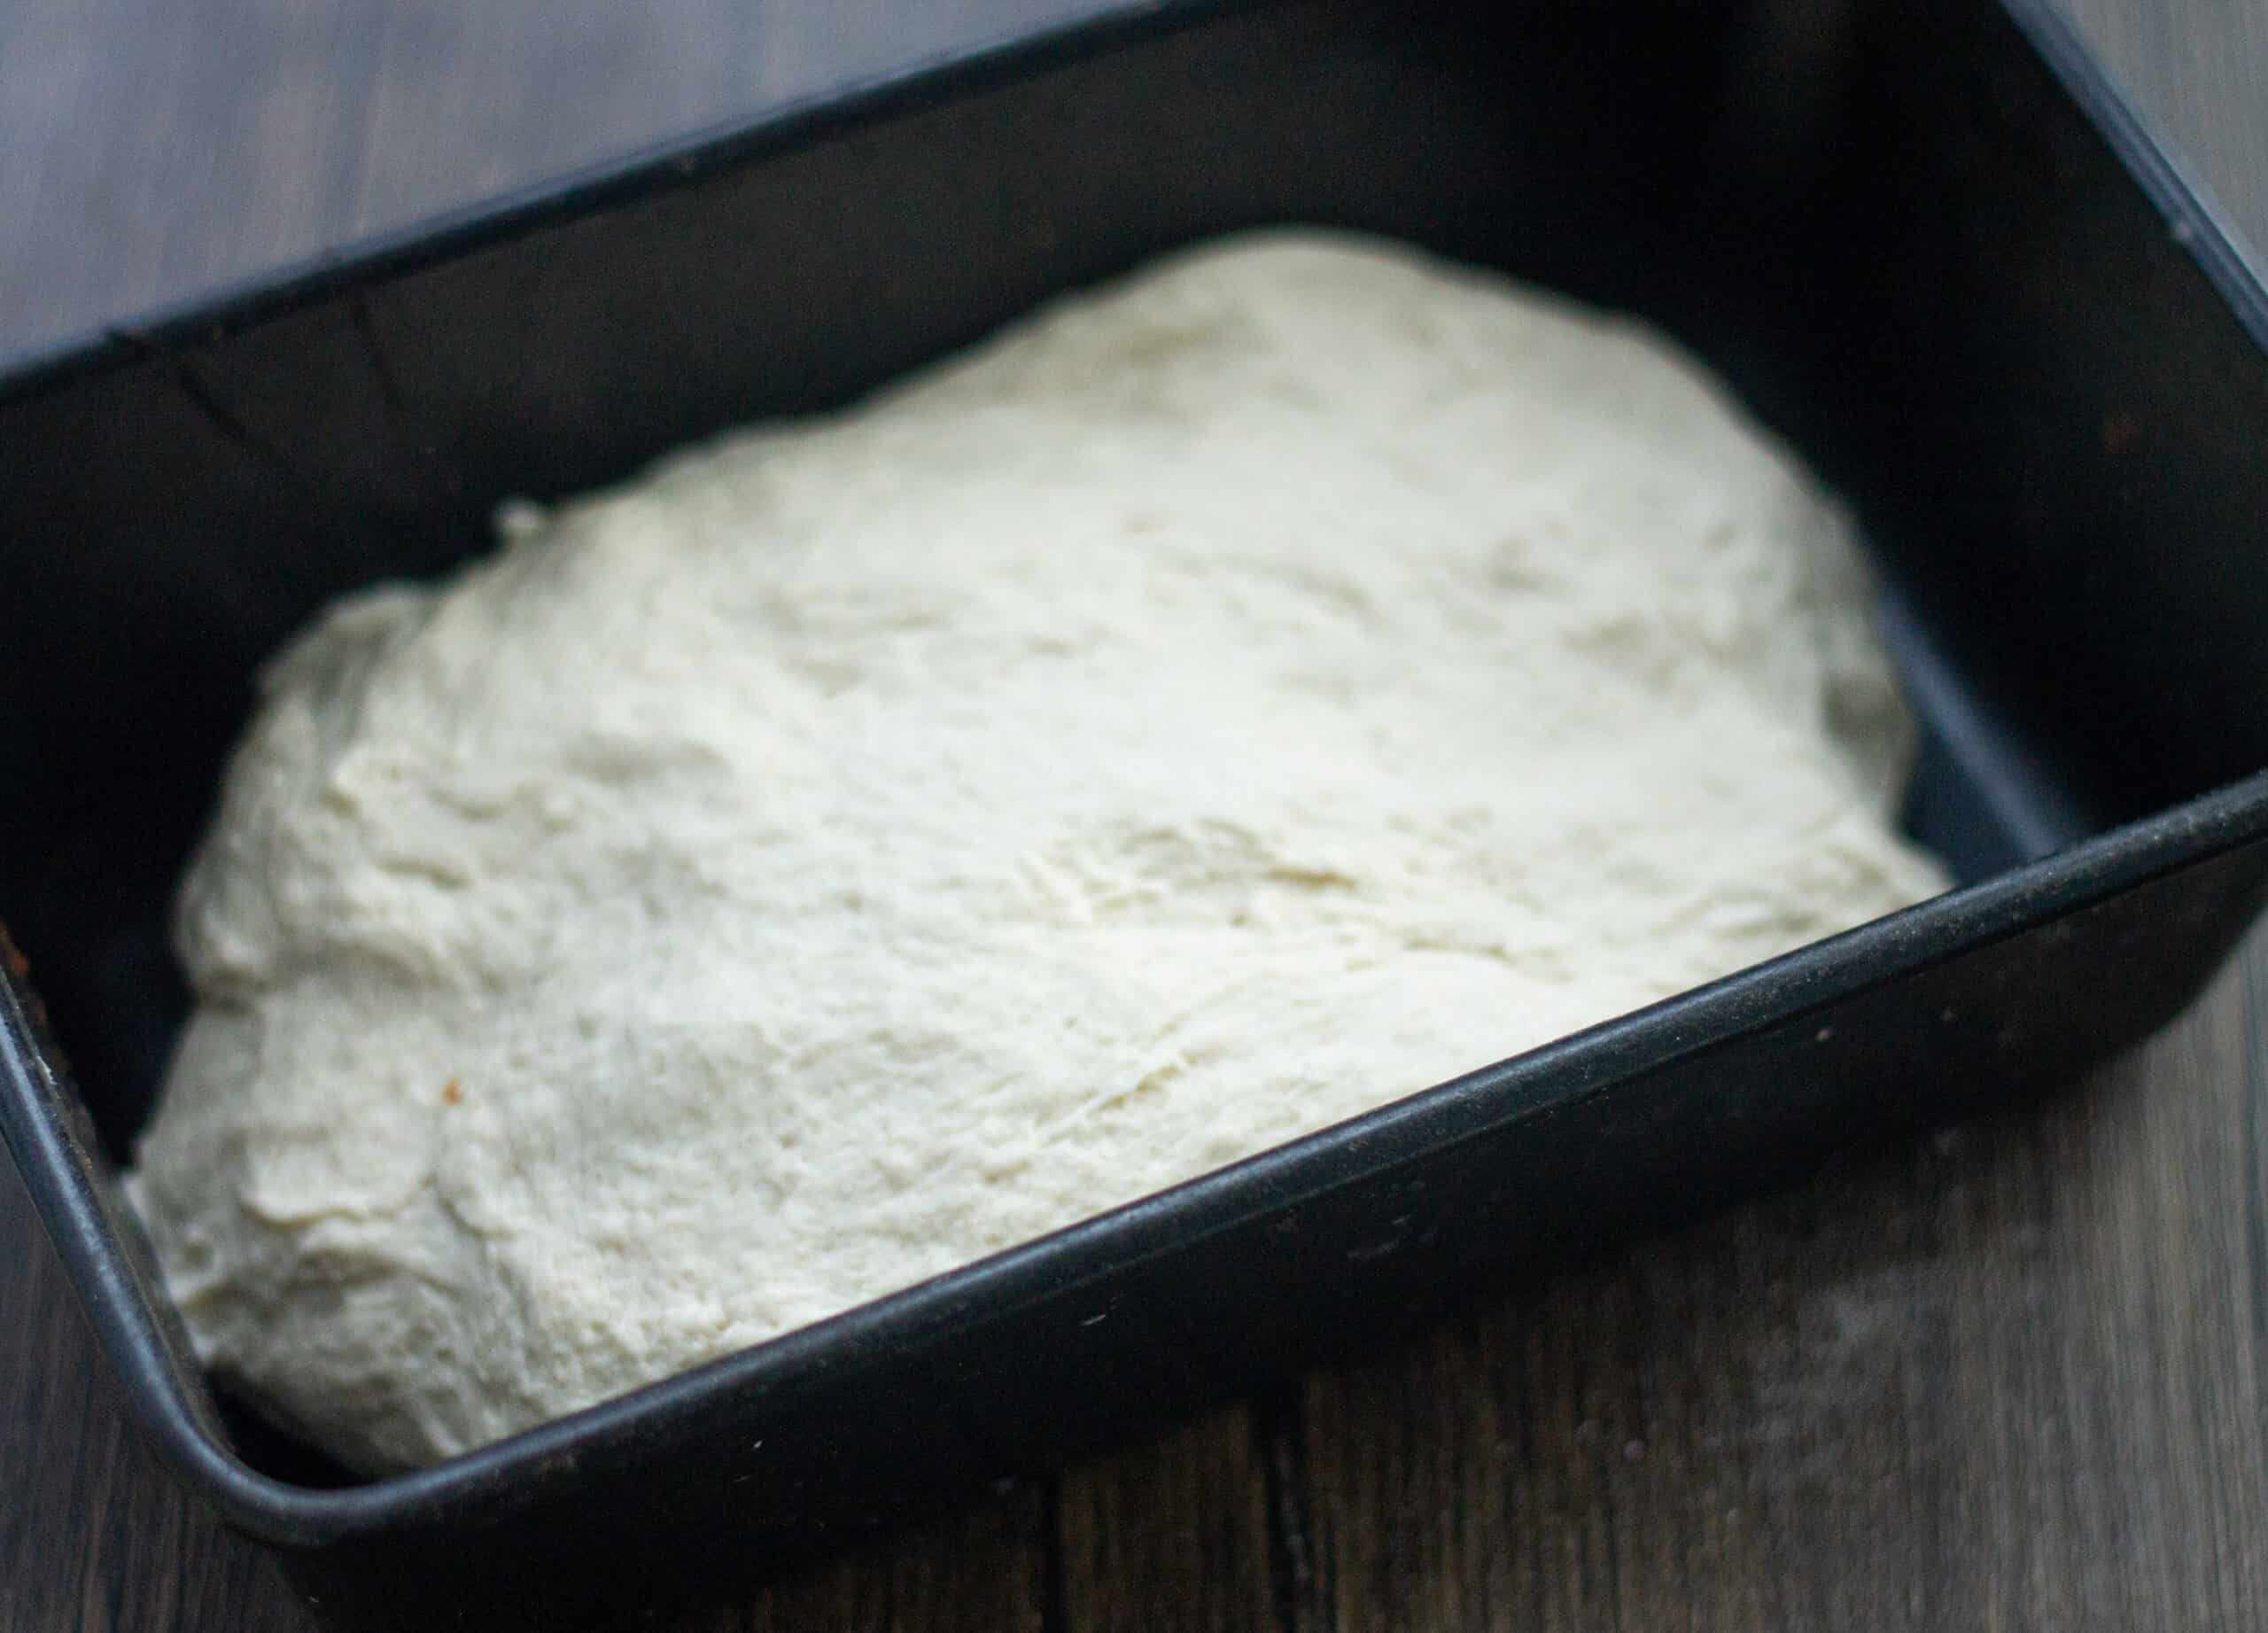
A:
(1218, 705)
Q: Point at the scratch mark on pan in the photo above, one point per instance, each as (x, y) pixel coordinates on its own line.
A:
(291, 565)
(285, 583)
(389, 384)
(250, 443)
(359, 521)
(415, 441)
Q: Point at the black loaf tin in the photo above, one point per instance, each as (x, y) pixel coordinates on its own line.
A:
(1922, 238)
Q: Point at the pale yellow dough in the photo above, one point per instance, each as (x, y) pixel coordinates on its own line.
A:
(1222, 703)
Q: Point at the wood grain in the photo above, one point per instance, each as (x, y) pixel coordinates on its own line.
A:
(2010, 1377)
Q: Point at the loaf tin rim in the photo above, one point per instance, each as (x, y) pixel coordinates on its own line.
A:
(60, 1172)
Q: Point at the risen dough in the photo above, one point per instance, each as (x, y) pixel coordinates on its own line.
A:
(1222, 703)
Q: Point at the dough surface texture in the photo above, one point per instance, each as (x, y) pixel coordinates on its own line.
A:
(1222, 702)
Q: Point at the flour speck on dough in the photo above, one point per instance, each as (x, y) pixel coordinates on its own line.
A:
(1223, 703)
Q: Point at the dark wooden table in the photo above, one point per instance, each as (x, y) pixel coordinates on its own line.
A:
(2016, 1377)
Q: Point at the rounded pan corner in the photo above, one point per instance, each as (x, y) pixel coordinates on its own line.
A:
(2194, 217)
